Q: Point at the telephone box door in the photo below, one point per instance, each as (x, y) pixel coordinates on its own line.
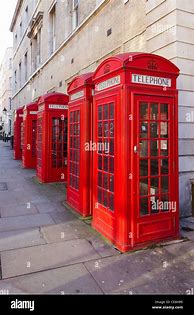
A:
(58, 147)
(155, 209)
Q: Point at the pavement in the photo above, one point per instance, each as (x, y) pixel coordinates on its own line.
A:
(46, 249)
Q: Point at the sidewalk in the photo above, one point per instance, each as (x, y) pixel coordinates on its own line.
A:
(44, 248)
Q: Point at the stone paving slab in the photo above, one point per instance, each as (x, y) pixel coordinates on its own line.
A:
(62, 217)
(43, 257)
(17, 210)
(65, 231)
(23, 222)
(18, 239)
(124, 272)
(189, 235)
(65, 280)
(46, 207)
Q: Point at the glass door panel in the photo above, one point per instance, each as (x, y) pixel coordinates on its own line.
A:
(153, 156)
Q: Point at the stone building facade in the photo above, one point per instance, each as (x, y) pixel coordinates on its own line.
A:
(6, 91)
(54, 40)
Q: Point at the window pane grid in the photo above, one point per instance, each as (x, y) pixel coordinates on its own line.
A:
(105, 134)
(74, 167)
(154, 156)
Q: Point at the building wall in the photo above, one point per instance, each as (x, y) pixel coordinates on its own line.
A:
(170, 33)
(164, 27)
(6, 88)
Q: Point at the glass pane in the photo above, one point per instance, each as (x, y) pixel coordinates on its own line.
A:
(99, 129)
(105, 111)
(143, 110)
(105, 163)
(163, 147)
(111, 165)
(154, 111)
(164, 166)
(111, 201)
(164, 184)
(112, 129)
(143, 206)
(106, 129)
(105, 181)
(164, 111)
(154, 167)
(154, 148)
(100, 162)
(112, 111)
(154, 184)
(143, 167)
(99, 112)
(154, 130)
(111, 146)
(143, 148)
(100, 195)
(111, 185)
(164, 129)
(106, 198)
(143, 130)
(143, 186)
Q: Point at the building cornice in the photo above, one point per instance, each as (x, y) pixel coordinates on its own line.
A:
(17, 9)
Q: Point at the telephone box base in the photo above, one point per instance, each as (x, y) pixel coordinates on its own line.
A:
(123, 248)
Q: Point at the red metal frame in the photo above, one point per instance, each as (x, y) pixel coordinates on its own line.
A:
(137, 116)
(18, 125)
(52, 137)
(29, 135)
(79, 188)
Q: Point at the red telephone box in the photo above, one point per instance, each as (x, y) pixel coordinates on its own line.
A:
(18, 132)
(135, 185)
(29, 135)
(52, 137)
(79, 189)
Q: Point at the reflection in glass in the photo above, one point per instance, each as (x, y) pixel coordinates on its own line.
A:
(154, 130)
(105, 112)
(164, 184)
(105, 181)
(111, 111)
(143, 167)
(100, 162)
(111, 183)
(164, 166)
(99, 112)
(143, 110)
(154, 167)
(143, 206)
(163, 111)
(143, 148)
(111, 166)
(154, 111)
(154, 185)
(100, 195)
(143, 187)
(106, 163)
(154, 148)
(143, 130)
(111, 202)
